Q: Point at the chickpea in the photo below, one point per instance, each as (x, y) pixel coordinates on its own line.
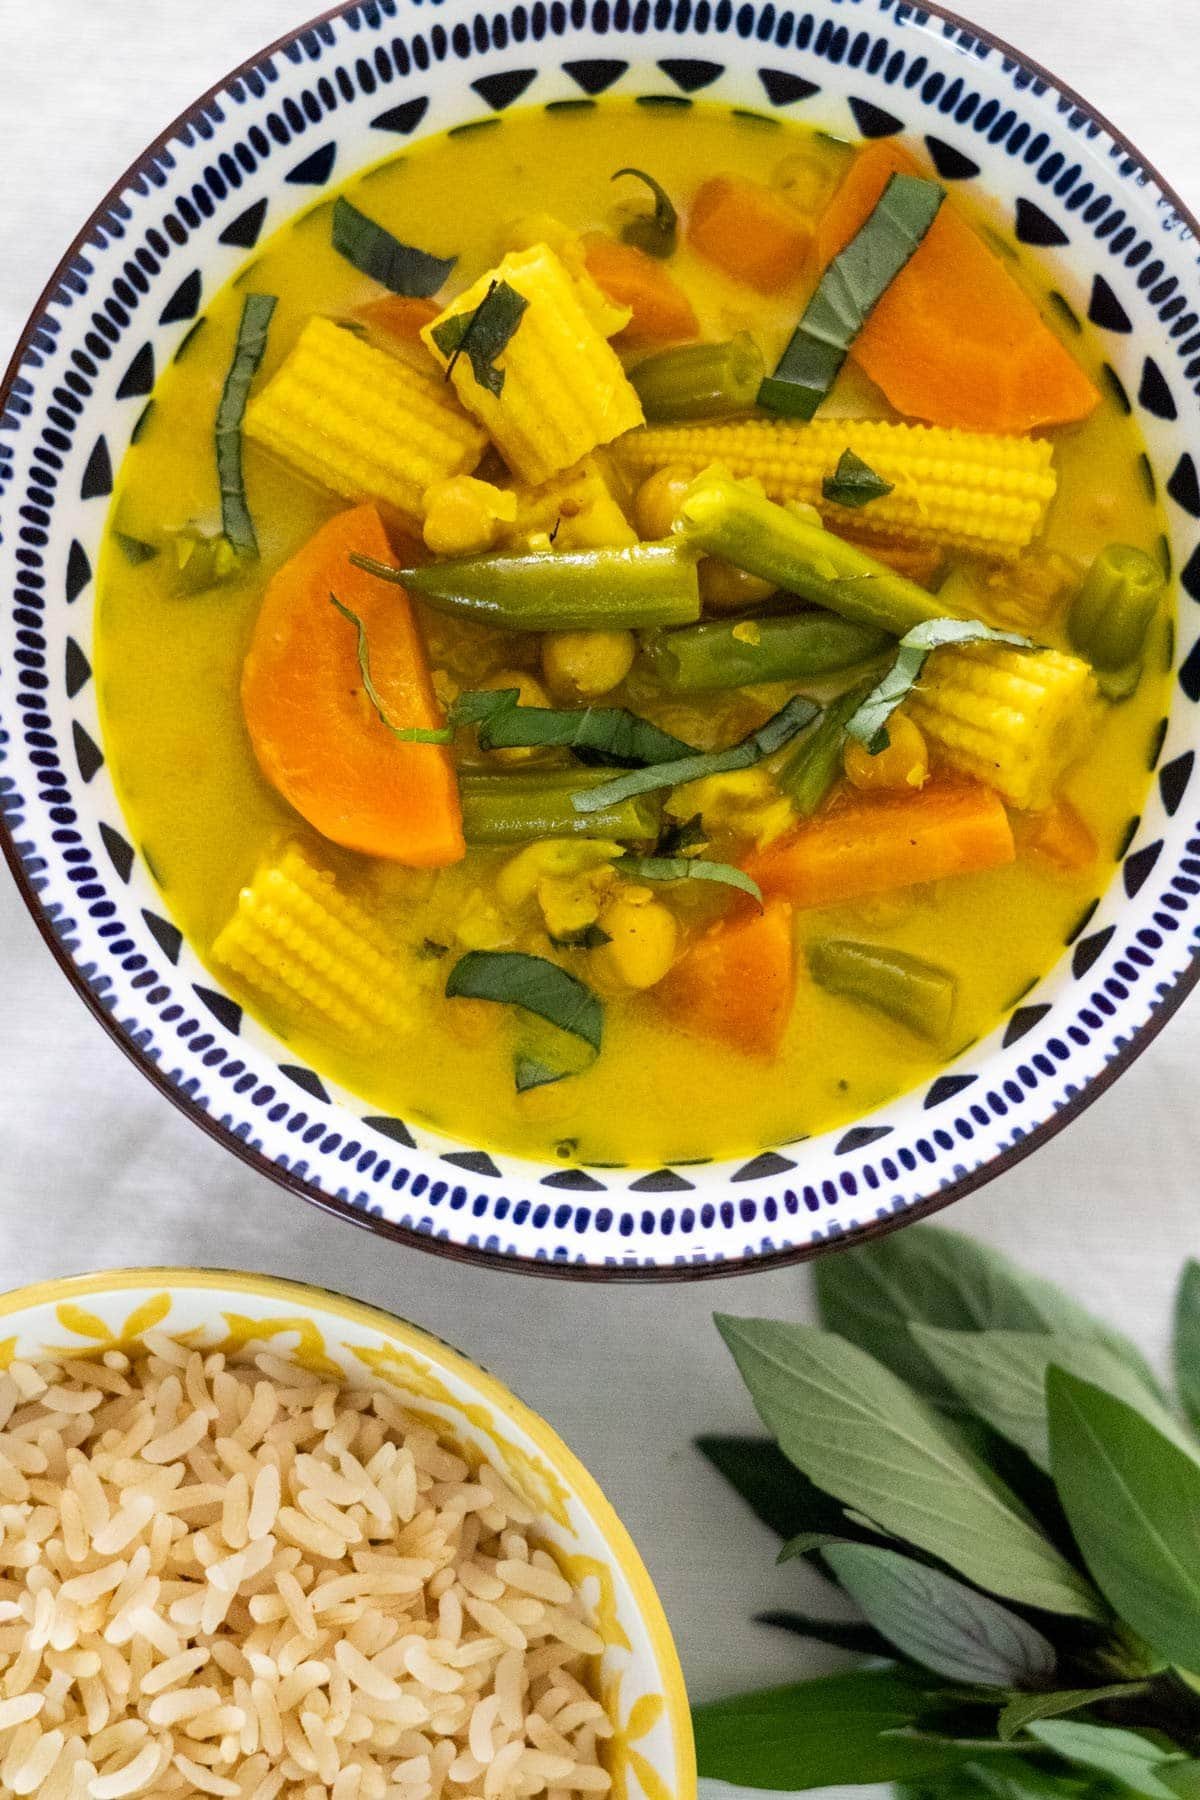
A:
(463, 516)
(579, 665)
(658, 500)
(725, 589)
(530, 692)
(904, 764)
(644, 938)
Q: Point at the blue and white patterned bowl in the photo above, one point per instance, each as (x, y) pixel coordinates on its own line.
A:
(340, 94)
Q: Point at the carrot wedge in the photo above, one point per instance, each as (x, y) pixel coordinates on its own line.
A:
(954, 340)
(399, 316)
(736, 982)
(750, 233)
(874, 844)
(315, 732)
(662, 312)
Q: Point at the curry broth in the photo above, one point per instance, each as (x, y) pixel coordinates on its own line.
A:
(169, 672)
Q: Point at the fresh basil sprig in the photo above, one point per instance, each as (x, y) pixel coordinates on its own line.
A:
(1045, 1627)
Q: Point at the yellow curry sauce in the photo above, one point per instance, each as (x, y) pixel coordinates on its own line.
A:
(169, 671)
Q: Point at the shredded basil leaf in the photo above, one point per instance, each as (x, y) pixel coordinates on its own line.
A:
(481, 335)
(538, 986)
(530, 1072)
(236, 523)
(678, 837)
(588, 937)
(607, 736)
(429, 950)
(854, 483)
(849, 291)
(373, 250)
(134, 550)
(772, 736)
(868, 725)
(406, 734)
(686, 868)
(658, 234)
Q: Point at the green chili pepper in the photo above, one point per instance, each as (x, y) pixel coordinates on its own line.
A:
(913, 993)
(1111, 614)
(728, 654)
(545, 590)
(539, 803)
(699, 381)
(816, 762)
(725, 518)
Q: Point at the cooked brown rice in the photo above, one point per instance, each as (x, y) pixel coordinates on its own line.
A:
(246, 1580)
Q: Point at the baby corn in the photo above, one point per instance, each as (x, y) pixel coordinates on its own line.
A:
(564, 388)
(1012, 718)
(363, 423)
(987, 496)
(312, 952)
(577, 510)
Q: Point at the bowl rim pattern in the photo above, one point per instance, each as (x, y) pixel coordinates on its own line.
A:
(310, 1298)
(623, 1265)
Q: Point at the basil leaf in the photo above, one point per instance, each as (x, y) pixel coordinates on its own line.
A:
(840, 1634)
(375, 252)
(869, 724)
(937, 1277)
(1027, 1707)
(236, 523)
(1183, 1778)
(1133, 1501)
(407, 734)
(588, 937)
(675, 838)
(774, 1489)
(199, 563)
(529, 1072)
(764, 742)
(1187, 1341)
(1125, 1755)
(687, 868)
(607, 735)
(862, 1436)
(819, 1733)
(849, 291)
(658, 235)
(482, 334)
(938, 1622)
(134, 550)
(1001, 1376)
(854, 483)
(512, 978)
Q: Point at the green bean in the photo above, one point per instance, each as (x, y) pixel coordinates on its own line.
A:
(545, 590)
(814, 765)
(538, 803)
(725, 518)
(700, 381)
(729, 654)
(913, 993)
(1111, 614)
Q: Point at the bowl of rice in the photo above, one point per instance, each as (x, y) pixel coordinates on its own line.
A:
(257, 1540)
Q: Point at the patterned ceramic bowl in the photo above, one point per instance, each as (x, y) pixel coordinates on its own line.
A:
(640, 1680)
(338, 95)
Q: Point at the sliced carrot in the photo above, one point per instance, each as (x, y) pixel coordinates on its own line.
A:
(750, 232)
(398, 316)
(736, 982)
(662, 312)
(317, 736)
(1059, 838)
(875, 843)
(954, 340)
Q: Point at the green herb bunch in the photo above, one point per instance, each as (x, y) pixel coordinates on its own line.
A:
(1010, 1500)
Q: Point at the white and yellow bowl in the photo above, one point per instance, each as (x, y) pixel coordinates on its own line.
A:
(650, 1755)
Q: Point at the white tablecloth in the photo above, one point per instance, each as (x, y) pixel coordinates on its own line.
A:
(97, 1171)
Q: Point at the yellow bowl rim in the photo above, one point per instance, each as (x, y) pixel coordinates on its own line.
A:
(373, 1318)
